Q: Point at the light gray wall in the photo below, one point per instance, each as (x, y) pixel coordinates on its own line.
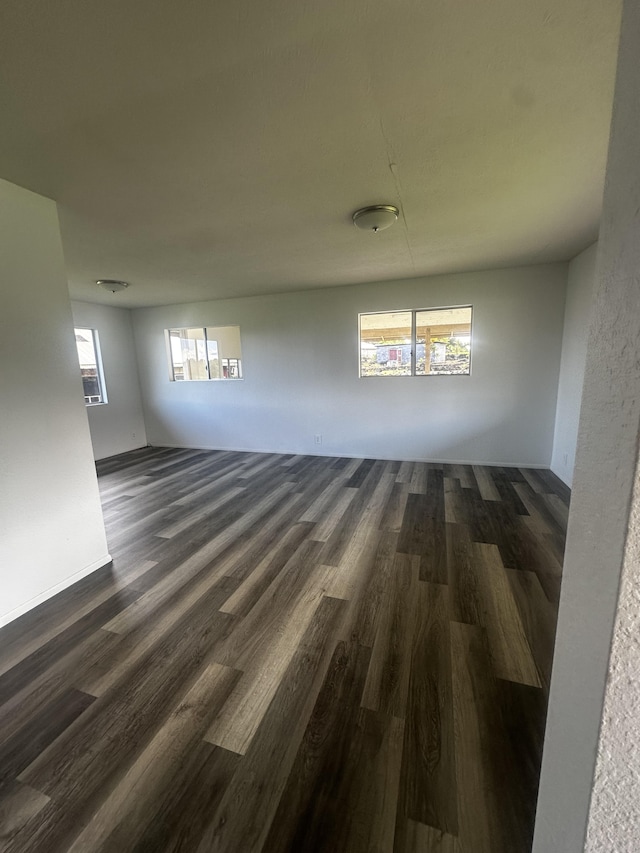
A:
(604, 476)
(51, 529)
(582, 272)
(300, 362)
(118, 425)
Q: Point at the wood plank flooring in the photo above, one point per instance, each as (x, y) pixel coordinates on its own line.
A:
(290, 654)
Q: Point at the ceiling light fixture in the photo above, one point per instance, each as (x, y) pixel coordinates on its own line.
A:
(112, 284)
(375, 218)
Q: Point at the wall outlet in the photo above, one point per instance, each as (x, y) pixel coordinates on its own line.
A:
(317, 438)
(133, 436)
(565, 459)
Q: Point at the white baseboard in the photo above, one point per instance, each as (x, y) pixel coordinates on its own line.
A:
(5, 618)
(536, 465)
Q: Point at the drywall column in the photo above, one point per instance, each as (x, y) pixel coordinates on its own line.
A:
(577, 314)
(51, 527)
(598, 524)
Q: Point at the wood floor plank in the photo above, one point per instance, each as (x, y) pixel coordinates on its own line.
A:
(23, 645)
(354, 807)
(472, 702)
(327, 499)
(243, 818)
(452, 504)
(394, 510)
(255, 585)
(37, 663)
(18, 805)
(428, 792)
(185, 520)
(311, 808)
(263, 648)
(214, 588)
(134, 706)
(539, 617)
(419, 478)
(132, 804)
(415, 837)
(464, 596)
(405, 473)
(510, 651)
(185, 808)
(376, 581)
(486, 484)
(420, 514)
(387, 681)
(17, 752)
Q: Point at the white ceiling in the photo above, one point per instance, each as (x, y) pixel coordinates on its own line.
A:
(203, 149)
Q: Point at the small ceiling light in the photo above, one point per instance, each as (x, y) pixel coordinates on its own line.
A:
(112, 284)
(375, 218)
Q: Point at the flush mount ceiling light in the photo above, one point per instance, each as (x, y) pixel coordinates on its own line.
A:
(112, 284)
(375, 218)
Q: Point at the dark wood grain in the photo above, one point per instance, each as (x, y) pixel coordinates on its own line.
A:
(290, 654)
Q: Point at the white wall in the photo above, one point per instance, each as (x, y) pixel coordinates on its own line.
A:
(580, 285)
(300, 362)
(118, 425)
(599, 522)
(51, 529)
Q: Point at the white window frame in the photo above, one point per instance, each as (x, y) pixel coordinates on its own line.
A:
(221, 358)
(102, 385)
(414, 312)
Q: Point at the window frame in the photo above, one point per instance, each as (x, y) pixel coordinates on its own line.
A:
(102, 385)
(413, 343)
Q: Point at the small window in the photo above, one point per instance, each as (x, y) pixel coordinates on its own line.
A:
(434, 341)
(443, 341)
(210, 353)
(90, 366)
(385, 344)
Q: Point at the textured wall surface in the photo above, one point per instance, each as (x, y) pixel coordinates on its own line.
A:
(601, 502)
(614, 820)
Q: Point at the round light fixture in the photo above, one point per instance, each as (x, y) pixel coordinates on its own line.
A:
(112, 284)
(375, 218)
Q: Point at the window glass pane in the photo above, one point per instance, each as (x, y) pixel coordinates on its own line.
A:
(188, 354)
(89, 367)
(385, 344)
(225, 353)
(443, 341)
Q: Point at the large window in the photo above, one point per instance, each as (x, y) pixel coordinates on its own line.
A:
(90, 366)
(434, 341)
(210, 353)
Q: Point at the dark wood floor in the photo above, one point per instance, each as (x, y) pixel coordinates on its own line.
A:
(290, 653)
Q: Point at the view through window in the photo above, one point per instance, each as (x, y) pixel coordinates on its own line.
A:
(429, 342)
(90, 366)
(212, 352)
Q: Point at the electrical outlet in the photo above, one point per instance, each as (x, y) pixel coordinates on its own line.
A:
(565, 459)
(317, 438)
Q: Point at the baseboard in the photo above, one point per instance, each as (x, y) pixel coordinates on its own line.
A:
(5, 618)
(535, 465)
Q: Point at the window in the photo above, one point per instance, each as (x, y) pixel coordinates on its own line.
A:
(210, 353)
(90, 366)
(434, 341)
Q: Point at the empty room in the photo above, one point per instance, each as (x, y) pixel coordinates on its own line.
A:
(319, 416)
